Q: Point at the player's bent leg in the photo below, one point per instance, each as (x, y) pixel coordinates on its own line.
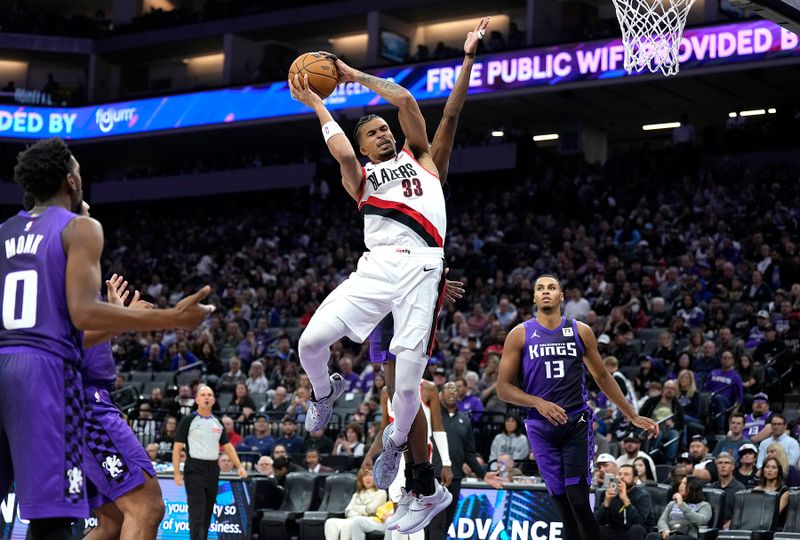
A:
(142, 509)
(109, 523)
(314, 351)
(410, 366)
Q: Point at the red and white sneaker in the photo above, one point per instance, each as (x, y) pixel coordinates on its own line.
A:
(423, 509)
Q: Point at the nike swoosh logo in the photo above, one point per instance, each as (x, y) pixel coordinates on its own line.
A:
(426, 269)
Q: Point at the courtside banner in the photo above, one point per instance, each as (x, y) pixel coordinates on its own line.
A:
(492, 73)
(230, 521)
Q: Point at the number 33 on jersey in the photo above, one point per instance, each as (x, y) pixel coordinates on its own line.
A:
(402, 203)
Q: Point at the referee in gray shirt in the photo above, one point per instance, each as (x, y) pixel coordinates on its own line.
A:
(202, 434)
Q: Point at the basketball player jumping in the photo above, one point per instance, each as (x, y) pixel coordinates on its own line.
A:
(50, 268)
(380, 338)
(551, 353)
(401, 198)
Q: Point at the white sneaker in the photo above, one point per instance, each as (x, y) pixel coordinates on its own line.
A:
(401, 510)
(320, 411)
(423, 509)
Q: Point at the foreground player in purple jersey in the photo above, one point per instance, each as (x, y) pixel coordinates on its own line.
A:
(550, 355)
(49, 279)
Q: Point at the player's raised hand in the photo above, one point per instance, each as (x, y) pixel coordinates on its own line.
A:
(650, 426)
(298, 88)
(346, 73)
(190, 312)
(117, 293)
(453, 290)
(471, 45)
(552, 412)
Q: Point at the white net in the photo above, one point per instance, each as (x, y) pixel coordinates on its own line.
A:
(651, 33)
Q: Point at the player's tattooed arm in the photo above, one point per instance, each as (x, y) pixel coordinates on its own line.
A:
(411, 120)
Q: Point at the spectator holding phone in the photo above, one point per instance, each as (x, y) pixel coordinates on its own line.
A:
(625, 511)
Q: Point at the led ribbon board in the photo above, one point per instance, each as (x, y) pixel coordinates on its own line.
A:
(494, 73)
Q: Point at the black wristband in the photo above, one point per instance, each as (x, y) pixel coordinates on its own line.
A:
(470, 55)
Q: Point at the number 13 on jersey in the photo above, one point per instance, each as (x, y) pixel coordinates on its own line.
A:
(554, 369)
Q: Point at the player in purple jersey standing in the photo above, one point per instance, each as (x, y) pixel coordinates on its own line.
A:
(49, 279)
(550, 354)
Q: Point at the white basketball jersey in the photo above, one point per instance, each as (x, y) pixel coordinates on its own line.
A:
(402, 203)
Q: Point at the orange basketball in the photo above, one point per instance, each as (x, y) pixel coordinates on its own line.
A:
(321, 71)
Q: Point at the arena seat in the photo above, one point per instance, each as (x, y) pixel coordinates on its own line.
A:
(281, 524)
(754, 516)
(663, 473)
(659, 497)
(339, 489)
(791, 527)
(267, 495)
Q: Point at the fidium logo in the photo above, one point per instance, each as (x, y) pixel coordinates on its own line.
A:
(107, 118)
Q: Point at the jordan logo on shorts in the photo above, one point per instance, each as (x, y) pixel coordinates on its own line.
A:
(582, 418)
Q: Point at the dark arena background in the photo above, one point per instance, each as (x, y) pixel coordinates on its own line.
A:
(669, 207)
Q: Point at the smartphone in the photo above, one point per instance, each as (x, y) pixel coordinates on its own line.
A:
(610, 481)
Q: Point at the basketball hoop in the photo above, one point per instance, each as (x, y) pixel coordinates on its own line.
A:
(651, 33)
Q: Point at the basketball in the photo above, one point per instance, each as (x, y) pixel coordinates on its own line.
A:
(321, 71)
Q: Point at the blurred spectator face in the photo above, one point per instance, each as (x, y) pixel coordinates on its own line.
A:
(145, 413)
(316, 435)
(227, 423)
(312, 459)
(725, 334)
(472, 381)
(736, 425)
(264, 466)
(278, 451)
(631, 446)
(260, 426)
(156, 394)
(665, 340)
(183, 348)
(760, 407)
(670, 389)
(120, 382)
(289, 428)
(505, 459)
(155, 351)
(185, 392)
(450, 395)
(608, 467)
(778, 426)
(727, 360)
(280, 395)
(626, 474)
(235, 364)
(459, 365)
(461, 388)
(697, 450)
(477, 310)
(284, 344)
(346, 365)
(225, 463)
(241, 390)
(152, 451)
(724, 464)
(747, 458)
(351, 435)
(171, 425)
(709, 349)
(256, 370)
(262, 326)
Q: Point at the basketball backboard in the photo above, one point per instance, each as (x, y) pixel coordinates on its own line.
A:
(785, 13)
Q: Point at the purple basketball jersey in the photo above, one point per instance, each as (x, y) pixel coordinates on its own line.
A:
(33, 292)
(552, 365)
(99, 368)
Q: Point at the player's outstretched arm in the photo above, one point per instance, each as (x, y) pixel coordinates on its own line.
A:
(411, 120)
(507, 375)
(338, 143)
(442, 145)
(83, 242)
(607, 383)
